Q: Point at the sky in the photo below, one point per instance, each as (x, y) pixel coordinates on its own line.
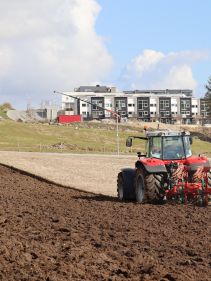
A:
(138, 44)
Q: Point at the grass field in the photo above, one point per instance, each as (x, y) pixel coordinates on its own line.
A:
(83, 137)
(2, 112)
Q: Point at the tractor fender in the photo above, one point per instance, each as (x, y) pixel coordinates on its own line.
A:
(194, 162)
(151, 165)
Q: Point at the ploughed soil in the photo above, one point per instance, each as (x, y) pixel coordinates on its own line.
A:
(48, 232)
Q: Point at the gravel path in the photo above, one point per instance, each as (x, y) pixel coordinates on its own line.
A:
(93, 173)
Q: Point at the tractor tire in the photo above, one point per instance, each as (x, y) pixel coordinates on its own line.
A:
(125, 183)
(148, 187)
(209, 179)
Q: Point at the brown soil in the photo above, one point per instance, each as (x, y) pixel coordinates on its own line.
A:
(48, 232)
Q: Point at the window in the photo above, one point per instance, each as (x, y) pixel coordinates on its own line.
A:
(84, 113)
(164, 104)
(164, 113)
(83, 104)
(145, 113)
(155, 147)
(96, 104)
(131, 104)
(142, 104)
(173, 148)
(141, 114)
(96, 114)
(185, 104)
(120, 104)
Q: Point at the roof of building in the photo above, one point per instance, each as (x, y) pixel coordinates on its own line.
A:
(95, 89)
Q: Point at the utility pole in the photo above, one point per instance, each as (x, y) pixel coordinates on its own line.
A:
(117, 131)
(114, 113)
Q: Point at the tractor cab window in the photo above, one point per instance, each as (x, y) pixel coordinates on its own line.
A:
(173, 148)
(187, 146)
(155, 147)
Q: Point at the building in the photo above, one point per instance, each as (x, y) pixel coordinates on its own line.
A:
(166, 106)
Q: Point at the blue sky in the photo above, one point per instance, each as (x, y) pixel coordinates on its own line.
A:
(59, 45)
(165, 26)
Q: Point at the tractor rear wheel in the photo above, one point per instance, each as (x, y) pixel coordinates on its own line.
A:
(148, 187)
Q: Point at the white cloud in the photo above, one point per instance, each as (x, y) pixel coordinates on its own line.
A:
(6, 61)
(156, 70)
(49, 45)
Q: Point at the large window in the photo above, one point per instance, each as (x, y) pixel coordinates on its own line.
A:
(96, 104)
(165, 114)
(120, 104)
(142, 104)
(185, 104)
(155, 147)
(97, 114)
(164, 104)
(170, 147)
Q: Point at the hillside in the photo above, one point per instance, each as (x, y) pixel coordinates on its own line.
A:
(84, 137)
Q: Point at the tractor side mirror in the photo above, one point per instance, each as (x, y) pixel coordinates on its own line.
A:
(129, 142)
(191, 140)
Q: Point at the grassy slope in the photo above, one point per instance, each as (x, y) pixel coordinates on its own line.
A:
(76, 137)
(2, 112)
(91, 137)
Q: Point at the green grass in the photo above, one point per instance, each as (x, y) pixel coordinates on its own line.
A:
(3, 112)
(77, 137)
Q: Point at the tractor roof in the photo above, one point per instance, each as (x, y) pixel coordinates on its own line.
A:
(166, 133)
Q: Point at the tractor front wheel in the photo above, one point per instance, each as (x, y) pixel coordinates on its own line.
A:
(120, 187)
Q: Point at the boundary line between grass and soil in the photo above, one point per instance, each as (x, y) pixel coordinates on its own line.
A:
(34, 176)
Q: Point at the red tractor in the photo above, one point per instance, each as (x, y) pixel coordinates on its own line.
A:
(167, 171)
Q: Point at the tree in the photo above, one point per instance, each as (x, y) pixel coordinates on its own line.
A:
(208, 88)
(208, 95)
(7, 106)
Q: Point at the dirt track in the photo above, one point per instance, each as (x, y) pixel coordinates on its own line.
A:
(94, 173)
(52, 233)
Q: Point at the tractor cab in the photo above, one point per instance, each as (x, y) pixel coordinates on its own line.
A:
(168, 145)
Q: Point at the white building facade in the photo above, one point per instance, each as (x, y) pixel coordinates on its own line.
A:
(166, 106)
